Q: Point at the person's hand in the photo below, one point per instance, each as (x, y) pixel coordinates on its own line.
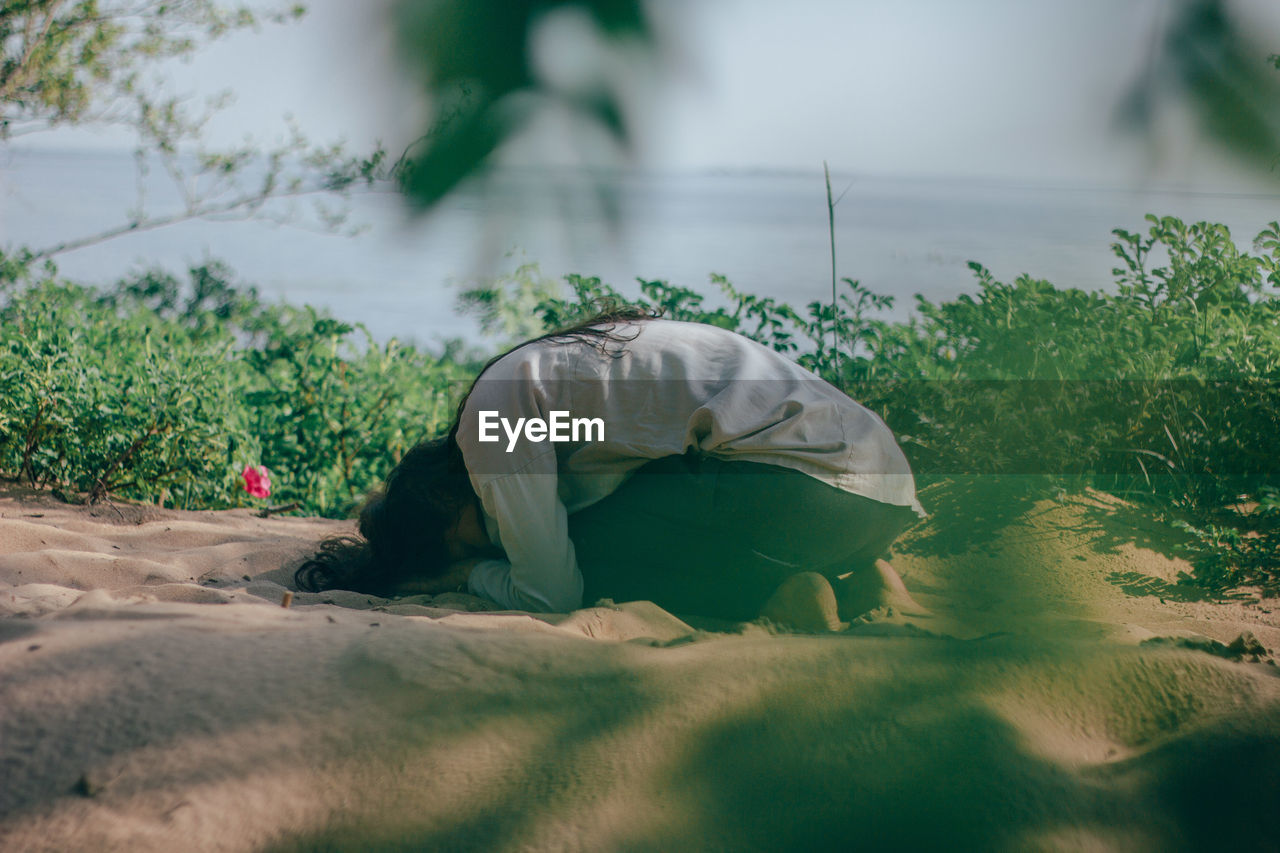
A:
(453, 580)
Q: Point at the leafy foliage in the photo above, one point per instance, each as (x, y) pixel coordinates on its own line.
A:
(477, 62)
(163, 391)
(336, 414)
(100, 401)
(70, 61)
(1164, 389)
(94, 63)
(1203, 60)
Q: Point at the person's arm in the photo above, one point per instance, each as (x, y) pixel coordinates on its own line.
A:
(518, 485)
(541, 572)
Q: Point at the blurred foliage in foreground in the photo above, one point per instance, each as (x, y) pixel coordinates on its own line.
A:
(1164, 390)
(489, 68)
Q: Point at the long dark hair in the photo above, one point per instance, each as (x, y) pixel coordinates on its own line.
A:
(403, 524)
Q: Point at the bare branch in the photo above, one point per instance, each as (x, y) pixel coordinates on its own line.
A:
(81, 63)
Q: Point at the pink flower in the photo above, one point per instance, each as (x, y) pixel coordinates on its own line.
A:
(257, 480)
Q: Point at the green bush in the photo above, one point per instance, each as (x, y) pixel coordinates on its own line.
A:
(1163, 390)
(161, 391)
(101, 400)
(332, 415)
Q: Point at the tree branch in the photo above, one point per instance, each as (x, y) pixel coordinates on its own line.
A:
(250, 205)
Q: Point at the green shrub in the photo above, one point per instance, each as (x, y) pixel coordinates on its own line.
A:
(332, 415)
(164, 391)
(1163, 390)
(103, 400)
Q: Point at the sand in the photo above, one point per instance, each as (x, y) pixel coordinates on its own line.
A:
(1067, 693)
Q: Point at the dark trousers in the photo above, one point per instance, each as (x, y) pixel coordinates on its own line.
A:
(709, 537)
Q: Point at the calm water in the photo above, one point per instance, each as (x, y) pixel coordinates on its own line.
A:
(766, 232)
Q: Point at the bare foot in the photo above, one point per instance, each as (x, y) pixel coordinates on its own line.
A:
(861, 592)
(805, 602)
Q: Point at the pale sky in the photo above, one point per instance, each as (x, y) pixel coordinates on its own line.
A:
(1007, 89)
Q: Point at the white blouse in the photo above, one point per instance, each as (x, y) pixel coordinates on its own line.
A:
(671, 388)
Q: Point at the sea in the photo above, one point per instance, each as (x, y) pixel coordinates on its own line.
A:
(400, 273)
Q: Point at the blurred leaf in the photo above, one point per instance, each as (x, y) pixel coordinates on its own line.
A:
(1203, 59)
(474, 61)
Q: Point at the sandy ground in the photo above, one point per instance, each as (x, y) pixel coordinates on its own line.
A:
(1067, 693)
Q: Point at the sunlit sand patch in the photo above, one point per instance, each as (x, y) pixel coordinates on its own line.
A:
(1024, 712)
